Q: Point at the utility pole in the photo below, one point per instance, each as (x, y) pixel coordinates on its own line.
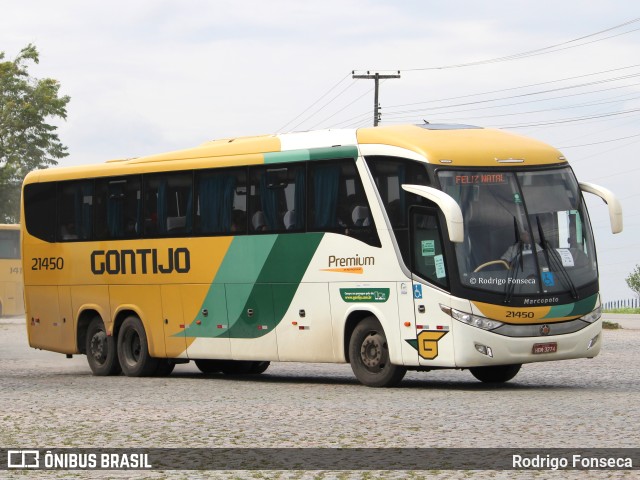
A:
(376, 78)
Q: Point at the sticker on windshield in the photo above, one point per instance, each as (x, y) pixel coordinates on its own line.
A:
(428, 248)
(566, 257)
(439, 264)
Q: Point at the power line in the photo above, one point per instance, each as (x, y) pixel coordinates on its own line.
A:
(570, 120)
(599, 143)
(418, 111)
(324, 106)
(538, 51)
(579, 85)
(313, 104)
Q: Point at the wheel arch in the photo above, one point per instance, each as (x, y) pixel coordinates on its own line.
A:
(354, 317)
(121, 314)
(82, 325)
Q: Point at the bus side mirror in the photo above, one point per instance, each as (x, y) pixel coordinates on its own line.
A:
(615, 208)
(447, 204)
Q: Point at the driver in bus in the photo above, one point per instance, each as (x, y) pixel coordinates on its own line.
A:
(524, 245)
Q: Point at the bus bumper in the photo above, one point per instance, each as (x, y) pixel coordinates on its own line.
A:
(475, 347)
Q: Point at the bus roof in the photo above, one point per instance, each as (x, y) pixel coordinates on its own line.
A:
(456, 145)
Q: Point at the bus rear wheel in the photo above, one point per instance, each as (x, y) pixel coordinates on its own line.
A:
(101, 350)
(258, 367)
(369, 356)
(497, 374)
(133, 349)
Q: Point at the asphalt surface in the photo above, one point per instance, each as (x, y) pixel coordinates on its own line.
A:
(49, 401)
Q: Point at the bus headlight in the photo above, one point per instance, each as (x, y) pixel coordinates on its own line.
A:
(593, 316)
(470, 319)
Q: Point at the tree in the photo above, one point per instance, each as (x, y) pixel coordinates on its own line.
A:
(633, 280)
(27, 141)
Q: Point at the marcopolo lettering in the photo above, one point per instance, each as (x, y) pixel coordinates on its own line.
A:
(141, 260)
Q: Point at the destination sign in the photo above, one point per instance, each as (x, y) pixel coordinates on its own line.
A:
(481, 179)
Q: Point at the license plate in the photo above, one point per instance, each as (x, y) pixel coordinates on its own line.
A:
(550, 347)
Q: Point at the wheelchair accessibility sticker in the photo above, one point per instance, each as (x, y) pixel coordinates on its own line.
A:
(547, 279)
(417, 291)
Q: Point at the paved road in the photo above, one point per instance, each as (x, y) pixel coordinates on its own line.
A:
(49, 401)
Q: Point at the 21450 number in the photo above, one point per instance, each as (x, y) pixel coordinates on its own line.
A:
(518, 314)
(47, 263)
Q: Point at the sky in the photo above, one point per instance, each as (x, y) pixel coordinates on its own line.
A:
(149, 76)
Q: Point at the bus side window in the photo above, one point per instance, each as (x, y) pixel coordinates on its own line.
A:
(75, 210)
(221, 201)
(168, 204)
(118, 207)
(40, 210)
(277, 198)
(338, 203)
(428, 254)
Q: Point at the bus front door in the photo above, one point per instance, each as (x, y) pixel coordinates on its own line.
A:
(434, 338)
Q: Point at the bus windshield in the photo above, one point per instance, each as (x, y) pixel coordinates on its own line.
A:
(526, 232)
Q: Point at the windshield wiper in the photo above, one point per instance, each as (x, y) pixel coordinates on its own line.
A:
(509, 288)
(554, 261)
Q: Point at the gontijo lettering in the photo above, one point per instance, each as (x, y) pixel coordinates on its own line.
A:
(141, 260)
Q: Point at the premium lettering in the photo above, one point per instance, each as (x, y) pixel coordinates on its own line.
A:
(140, 261)
(356, 261)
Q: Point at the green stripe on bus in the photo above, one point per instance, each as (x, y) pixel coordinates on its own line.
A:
(256, 283)
(303, 155)
(579, 308)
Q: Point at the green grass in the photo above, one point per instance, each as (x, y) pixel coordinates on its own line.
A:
(623, 310)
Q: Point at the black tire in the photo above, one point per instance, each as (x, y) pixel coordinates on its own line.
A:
(497, 374)
(209, 366)
(369, 356)
(101, 350)
(236, 367)
(165, 367)
(258, 367)
(133, 349)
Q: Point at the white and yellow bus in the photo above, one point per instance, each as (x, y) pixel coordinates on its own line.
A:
(11, 290)
(392, 248)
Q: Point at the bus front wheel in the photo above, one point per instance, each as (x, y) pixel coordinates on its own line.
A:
(133, 350)
(369, 356)
(101, 350)
(497, 374)
(209, 366)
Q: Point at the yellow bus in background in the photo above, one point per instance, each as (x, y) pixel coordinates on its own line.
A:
(414, 247)
(11, 289)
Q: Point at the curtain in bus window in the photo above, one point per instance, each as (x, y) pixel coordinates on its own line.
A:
(115, 209)
(83, 210)
(325, 195)
(269, 203)
(299, 199)
(162, 206)
(216, 203)
(189, 210)
(138, 223)
(400, 217)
